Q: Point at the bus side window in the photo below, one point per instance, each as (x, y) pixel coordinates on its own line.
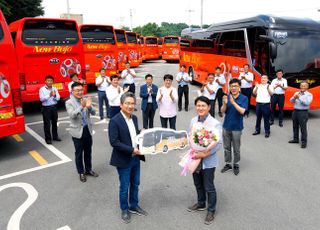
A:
(232, 44)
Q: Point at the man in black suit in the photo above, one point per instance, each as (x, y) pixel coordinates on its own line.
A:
(126, 156)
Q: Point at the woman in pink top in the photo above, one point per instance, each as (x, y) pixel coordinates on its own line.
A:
(167, 98)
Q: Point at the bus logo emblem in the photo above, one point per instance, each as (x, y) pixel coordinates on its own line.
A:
(54, 60)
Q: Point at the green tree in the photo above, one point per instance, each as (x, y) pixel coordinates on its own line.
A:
(17, 9)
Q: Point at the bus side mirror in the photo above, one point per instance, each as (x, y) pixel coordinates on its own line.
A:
(273, 50)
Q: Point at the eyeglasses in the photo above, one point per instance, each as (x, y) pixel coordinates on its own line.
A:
(128, 103)
(234, 86)
(78, 90)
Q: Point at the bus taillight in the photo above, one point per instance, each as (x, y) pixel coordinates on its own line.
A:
(22, 79)
(17, 103)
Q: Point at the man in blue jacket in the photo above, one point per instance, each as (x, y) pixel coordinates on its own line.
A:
(126, 156)
(148, 93)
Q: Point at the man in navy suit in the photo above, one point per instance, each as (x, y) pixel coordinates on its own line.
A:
(126, 156)
(148, 93)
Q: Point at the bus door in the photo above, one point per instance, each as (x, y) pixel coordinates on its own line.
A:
(11, 114)
(47, 47)
(100, 50)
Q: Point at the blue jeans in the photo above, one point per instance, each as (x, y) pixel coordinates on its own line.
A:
(129, 177)
(103, 97)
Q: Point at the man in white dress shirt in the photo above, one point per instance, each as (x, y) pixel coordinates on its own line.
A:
(246, 78)
(279, 86)
(183, 79)
(263, 93)
(209, 90)
(102, 83)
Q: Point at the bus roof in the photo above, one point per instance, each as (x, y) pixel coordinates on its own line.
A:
(95, 25)
(267, 21)
(21, 21)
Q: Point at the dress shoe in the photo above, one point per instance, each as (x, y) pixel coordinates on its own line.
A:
(196, 207)
(209, 218)
(226, 168)
(304, 145)
(186, 109)
(267, 135)
(179, 109)
(139, 211)
(92, 173)
(293, 141)
(125, 216)
(57, 139)
(49, 142)
(256, 133)
(82, 178)
(271, 122)
(220, 114)
(236, 169)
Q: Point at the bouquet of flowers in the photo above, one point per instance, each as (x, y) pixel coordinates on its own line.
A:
(202, 137)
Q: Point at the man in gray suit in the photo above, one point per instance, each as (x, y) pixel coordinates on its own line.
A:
(79, 110)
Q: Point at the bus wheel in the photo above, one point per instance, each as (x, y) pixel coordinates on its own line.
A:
(191, 74)
(165, 149)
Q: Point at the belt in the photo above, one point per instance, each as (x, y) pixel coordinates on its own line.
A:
(48, 106)
(263, 103)
(278, 94)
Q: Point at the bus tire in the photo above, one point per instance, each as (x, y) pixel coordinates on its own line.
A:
(165, 149)
(191, 74)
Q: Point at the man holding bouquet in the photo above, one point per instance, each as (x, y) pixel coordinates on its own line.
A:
(203, 176)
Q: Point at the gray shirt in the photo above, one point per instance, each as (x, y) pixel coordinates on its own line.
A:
(303, 102)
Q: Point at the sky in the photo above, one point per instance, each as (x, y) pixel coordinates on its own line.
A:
(117, 12)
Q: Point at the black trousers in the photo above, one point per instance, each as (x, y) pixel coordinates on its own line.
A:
(183, 90)
(277, 99)
(247, 92)
(263, 110)
(83, 152)
(300, 119)
(212, 109)
(50, 118)
(148, 116)
(204, 183)
(132, 87)
(172, 122)
(219, 97)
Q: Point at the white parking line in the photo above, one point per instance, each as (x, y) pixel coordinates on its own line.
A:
(63, 158)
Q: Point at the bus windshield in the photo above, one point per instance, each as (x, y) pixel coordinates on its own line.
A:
(171, 41)
(49, 32)
(151, 41)
(132, 38)
(121, 37)
(297, 51)
(97, 34)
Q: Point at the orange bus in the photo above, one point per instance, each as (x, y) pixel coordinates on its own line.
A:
(100, 50)
(11, 113)
(142, 48)
(133, 48)
(171, 48)
(267, 43)
(122, 48)
(47, 47)
(160, 41)
(151, 49)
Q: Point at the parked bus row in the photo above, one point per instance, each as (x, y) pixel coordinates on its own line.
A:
(266, 43)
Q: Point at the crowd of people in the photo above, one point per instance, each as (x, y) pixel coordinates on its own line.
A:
(120, 104)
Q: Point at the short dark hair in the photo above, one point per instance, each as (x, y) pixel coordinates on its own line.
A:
(125, 95)
(167, 76)
(235, 80)
(184, 66)
(102, 69)
(203, 99)
(73, 74)
(212, 74)
(75, 84)
(113, 77)
(218, 67)
(148, 75)
(279, 70)
(49, 77)
(246, 65)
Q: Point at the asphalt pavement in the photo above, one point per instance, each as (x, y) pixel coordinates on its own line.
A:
(277, 188)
